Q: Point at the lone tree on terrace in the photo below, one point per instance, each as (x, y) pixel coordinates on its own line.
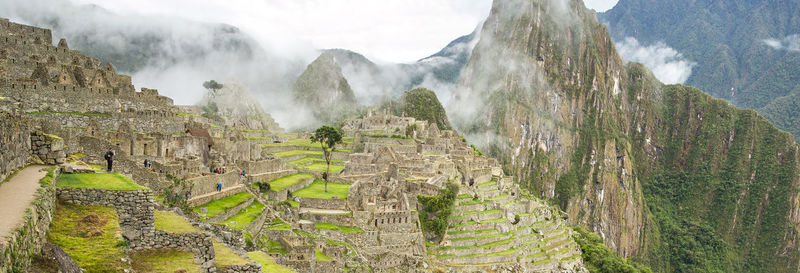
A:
(328, 137)
(212, 86)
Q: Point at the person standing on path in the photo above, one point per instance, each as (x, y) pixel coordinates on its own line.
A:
(109, 158)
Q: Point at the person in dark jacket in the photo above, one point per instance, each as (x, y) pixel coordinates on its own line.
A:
(109, 158)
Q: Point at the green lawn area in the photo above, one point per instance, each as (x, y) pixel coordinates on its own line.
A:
(268, 264)
(163, 260)
(306, 160)
(72, 227)
(296, 152)
(321, 257)
(344, 229)
(321, 167)
(487, 183)
(286, 181)
(482, 211)
(110, 181)
(317, 190)
(297, 142)
(273, 246)
(220, 205)
(245, 216)
(170, 222)
(224, 256)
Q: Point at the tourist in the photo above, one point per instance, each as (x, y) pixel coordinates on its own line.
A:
(242, 173)
(145, 163)
(219, 186)
(149, 163)
(109, 158)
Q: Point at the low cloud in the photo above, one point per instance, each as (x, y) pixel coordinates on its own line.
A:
(667, 64)
(791, 43)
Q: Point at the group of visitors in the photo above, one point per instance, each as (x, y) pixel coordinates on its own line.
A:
(218, 170)
(148, 163)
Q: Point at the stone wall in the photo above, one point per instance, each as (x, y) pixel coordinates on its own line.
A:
(208, 183)
(16, 251)
(95, 148)
(15, 150)
(322, 203)
(230, 212)
(264, 166)
(135, 209)
(198, 243)
(49, 148)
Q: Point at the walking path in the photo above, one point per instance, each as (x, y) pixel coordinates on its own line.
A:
(16, 195)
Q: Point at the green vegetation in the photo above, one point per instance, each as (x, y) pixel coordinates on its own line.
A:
(344, 229)
(211, 111)
(163, 260)
(422, 104)
(245, 217)
(268, 264)
(306, 160)
(109, 181)
(273, 246)
(296, 152)
(88, 114)
(322, 167)
(321, 257)
(328, 137)
(220, 205)
(599, 259)
(317, 191)
(225, 257)
(170, 222)
(436, 210)
(286, 181)
(482, 211)
(89, 235)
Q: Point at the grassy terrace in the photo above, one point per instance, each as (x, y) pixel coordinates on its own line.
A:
(90, 235)
(245, 216)
(464, 196)
(286, 181)
(456, 232)
(487, 183)
(321, 167)
(321, 257)
(307, 160)
(317, 190)
(170, 222)
(163, 260)
(225, 257)
(220, 205)
(109, 181)
(473, 202)
(267, 263)
(344, 229)
(482, 211)
(297, 142)
(296, 152)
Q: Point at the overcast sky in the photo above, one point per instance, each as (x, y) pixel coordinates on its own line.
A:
(385, 30)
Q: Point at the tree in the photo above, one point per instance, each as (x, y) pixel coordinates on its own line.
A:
(327, 137)
(212, 85)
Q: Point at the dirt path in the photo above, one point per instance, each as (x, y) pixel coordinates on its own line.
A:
(16, 195)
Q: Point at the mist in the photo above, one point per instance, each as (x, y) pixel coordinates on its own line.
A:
(790, 43)
(667, 64)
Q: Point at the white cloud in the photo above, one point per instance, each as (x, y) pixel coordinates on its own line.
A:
(791, 43)
(387, 30)
(600, 5)
(667, 64)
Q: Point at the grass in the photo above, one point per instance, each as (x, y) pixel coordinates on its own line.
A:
(486, 236)
(343, 243)
(317, 190)
(464, 196)
(92, 253)
(170, 222)
(163, 260)
(267, 263)
(343, 229)
(307, 160)
(224, 256)
(482, 211)
(245, 216)
(296, 152)
(283, 226)
(498, 197)
(109, 181)
(487, 183)
(293, 203)
(498, 220)
(297, 142)
(273, 246)
(321, 257)
(321, 167)
(220, 205)
(286, 181)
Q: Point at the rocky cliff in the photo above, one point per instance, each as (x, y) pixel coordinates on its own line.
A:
(238, 106)
(324, 91)
(662, 173)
